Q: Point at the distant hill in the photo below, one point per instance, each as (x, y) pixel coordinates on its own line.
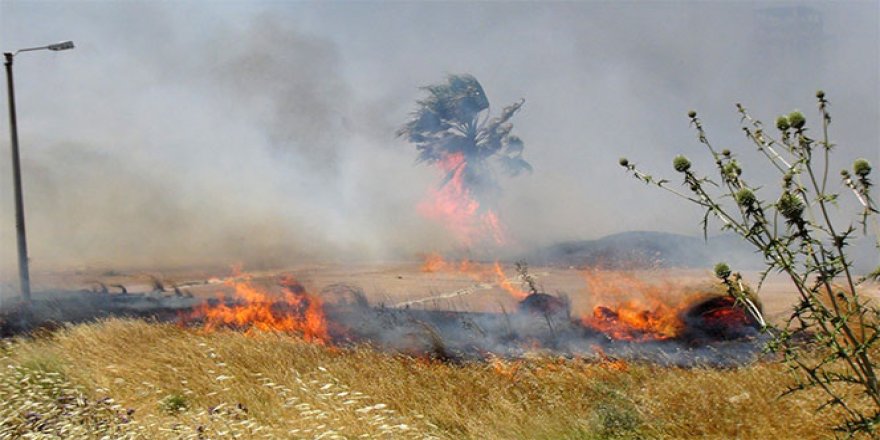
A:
(640, 249)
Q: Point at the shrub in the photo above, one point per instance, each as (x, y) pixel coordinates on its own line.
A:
(173, 403)
(796, 235)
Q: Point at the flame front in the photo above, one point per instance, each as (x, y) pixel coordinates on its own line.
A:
(453, 204)
(295, 311)
(505, 283)
(624, 307)
(434, 262)
(632, 309)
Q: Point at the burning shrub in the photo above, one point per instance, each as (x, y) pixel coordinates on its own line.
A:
(718, 318)
(631, 309)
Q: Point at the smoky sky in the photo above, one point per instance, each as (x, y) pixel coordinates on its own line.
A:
(186, 133)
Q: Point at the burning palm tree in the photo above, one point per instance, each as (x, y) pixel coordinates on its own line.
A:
(452, 129)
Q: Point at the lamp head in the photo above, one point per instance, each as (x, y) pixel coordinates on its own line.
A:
(64, 45)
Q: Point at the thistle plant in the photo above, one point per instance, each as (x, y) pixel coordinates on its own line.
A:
(830, 339)
(528, 281)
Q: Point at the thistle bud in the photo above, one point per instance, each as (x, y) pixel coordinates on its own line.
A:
(820, 94)
(692, 114)
(745, 197)
(681, 164)
(722, 270)
(782, 123)
(844, 173)
(787, 178)
(797, 120)
(861, 167)
(732, 169)
(790, 205)
(725, 152)
(624, 162)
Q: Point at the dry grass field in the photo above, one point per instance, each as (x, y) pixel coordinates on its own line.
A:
(131, 379)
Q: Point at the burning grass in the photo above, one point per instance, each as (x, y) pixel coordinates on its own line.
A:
(184, 383)
(697, 328)
(631, 319)
(293, 311)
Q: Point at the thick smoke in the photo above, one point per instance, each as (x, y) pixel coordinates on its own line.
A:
(234, 146)
(191, 133)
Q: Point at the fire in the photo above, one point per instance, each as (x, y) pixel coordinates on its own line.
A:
(483, 273)
(632, 320)
(634, 309)
(504, 368)
(609, 362)
(624, 307)
(493, 225)
(505, 283)
(454, 205)
(296, 311)
(435, 262)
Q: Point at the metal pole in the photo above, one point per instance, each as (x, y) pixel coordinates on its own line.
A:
(23, 272)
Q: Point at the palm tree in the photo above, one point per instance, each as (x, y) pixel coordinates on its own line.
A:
(452, 127)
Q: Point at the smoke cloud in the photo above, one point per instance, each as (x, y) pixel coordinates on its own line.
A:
(265, 133)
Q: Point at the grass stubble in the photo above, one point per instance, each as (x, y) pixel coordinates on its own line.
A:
(128, 379)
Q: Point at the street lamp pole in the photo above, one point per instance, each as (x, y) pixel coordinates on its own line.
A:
(23, 271)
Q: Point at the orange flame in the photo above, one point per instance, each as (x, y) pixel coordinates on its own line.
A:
(609, 362)
(479, 272)
(508, 369)
(493, 225)
(454, 206)
(434, 262)
(633, 309)
(296, 311)
(505, 283)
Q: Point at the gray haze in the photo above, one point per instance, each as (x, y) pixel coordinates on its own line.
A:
(190, 133)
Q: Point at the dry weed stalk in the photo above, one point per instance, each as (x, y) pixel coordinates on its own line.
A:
(797, 237)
